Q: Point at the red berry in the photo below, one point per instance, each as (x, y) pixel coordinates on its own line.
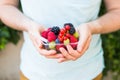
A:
(60, 35)
(51, 36)
(65, 37)
(60, 39)
(62, 31)
(73, 41)
(67, 27)
(49, 29)
(68, 35)
(44, 34)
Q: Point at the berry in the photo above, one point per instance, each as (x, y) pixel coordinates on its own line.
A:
(70, 24)
(57, 41)
(62, 31)
(67, 27)
(72, 30)
(44, 34)
(51, 36)
(74, 45)
(60, 38)
(56, 30)
(66, 42)
(68, 35)
(52, 45)
(61, 35)
(76, 34)
(73, 39)
(49, 29)
(65, 37)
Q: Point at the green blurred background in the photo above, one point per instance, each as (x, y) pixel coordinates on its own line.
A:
(111, 46)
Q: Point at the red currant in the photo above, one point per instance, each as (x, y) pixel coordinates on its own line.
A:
(67, 27)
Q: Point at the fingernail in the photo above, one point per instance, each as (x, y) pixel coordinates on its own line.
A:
(40, 45)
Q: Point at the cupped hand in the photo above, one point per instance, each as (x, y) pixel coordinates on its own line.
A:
(34, 33)
(85, 35)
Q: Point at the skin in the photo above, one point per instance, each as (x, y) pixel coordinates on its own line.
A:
(109, 22)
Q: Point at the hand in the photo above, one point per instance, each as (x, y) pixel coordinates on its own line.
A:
(34, 33)
(83, 44)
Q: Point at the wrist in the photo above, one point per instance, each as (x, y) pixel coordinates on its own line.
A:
(94, 27)
(33, 26)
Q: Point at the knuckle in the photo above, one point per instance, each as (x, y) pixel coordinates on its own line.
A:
(70, 52)
(66, 55)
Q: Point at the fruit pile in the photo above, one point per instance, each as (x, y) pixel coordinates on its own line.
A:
(58, 38)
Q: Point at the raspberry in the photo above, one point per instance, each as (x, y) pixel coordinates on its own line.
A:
(73, 39)
(51, 36)
(44, 34)
(72, 30)
(55, 29)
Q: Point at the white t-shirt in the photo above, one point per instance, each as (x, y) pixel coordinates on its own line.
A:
(52, 12)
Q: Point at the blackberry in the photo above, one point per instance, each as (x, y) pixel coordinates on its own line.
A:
(55, 29)
(72, 30)
(70, 24)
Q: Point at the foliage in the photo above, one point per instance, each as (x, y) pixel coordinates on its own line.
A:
(7, 35)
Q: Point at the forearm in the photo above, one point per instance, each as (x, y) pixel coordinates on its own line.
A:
(12, 17)
(109, 22)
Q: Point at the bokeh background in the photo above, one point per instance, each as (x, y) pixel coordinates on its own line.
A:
(11, 42)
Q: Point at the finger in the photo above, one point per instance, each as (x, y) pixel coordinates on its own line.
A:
(86, 46)
(72, 52)
(66, 54)
(55, 56)
(45, 52)
(38, 39)
(60, 60)
(82, 42)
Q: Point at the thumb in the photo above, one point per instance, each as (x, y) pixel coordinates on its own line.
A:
(81, 43)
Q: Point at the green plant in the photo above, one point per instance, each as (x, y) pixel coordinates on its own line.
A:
(7, 35)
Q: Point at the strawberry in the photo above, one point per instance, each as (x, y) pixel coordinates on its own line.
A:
(51, 36)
